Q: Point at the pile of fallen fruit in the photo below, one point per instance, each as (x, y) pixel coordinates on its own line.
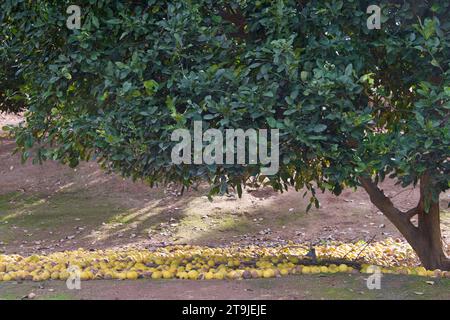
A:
(232, 262)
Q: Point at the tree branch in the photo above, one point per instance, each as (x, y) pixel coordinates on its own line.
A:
(411, 213)
(378, 198)
(385, 205)
(236, 18)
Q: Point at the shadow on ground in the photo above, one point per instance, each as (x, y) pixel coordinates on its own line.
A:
(51, 207)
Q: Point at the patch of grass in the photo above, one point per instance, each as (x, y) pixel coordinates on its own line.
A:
(331, 287)
(189, 226)
(62, 212)
(58, 296)
(229, 223)
(121, 218)
(59, 209)
(13, 200)
(5, 199)
(194, 227)
(8, 296)
(289, 219)
(344, 286)
(417, 288)
(16, 291)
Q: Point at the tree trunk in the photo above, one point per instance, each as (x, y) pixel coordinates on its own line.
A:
(429, 245)
(426, 238)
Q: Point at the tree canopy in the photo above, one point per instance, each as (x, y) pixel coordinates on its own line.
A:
(352, 105)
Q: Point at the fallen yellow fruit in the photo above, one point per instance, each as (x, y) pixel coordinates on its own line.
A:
(209, 276)
(306, 270)
(199, 262)
(193, 275)
(132, 275)
(343, 268)
(268, 273)
(324, 269)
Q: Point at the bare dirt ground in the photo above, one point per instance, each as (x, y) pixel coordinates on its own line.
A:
(50, 207)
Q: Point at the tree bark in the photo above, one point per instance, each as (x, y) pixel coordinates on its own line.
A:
(429, 248)
(426, 238)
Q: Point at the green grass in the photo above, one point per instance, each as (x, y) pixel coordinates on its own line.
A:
(58, 296)
(329, 287)
(345, 287)
(39, 214)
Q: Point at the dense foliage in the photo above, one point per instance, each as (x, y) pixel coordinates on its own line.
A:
(346, 99)
(349, 101)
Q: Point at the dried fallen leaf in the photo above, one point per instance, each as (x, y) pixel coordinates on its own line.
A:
(31, 295)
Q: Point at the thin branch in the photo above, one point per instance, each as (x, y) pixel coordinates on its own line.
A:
(365, 246)
(400, 192)
(411, 213)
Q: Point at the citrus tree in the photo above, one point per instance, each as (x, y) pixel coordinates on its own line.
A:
(353, 105)
(12, 99)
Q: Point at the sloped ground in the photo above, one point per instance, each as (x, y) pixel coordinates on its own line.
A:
(52, 208)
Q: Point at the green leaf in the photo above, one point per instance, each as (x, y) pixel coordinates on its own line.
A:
(126, 86)
(272, 122)
(349, 70)
(429, 28)
(319, 128)
(420, 119)
(435, 63)
(304, 75)
(151, 86)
